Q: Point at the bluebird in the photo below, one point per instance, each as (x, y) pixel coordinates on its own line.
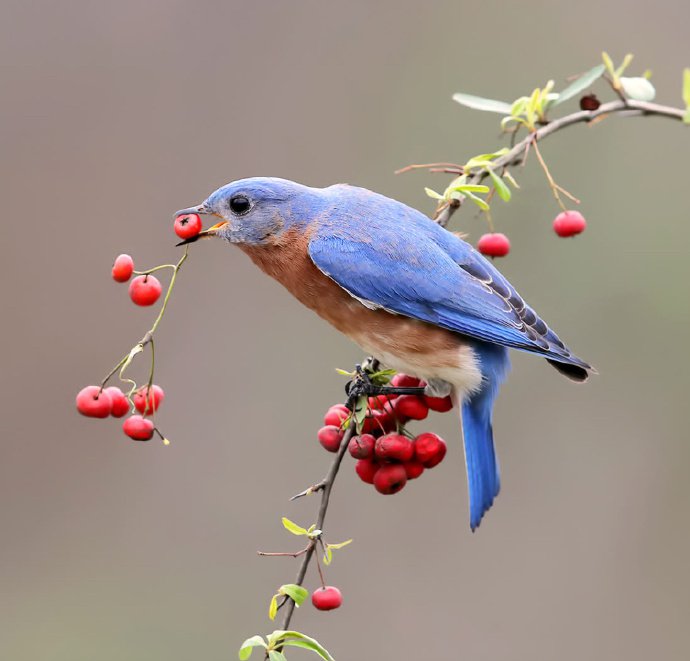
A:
(406, 290)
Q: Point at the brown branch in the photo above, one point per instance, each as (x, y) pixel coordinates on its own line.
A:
(627, 108)
(327, 483)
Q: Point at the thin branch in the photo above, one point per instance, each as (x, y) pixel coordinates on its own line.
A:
(323, 508)
(627, 108)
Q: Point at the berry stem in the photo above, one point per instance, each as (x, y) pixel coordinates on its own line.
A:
(323, 508)
(555, 188)
(156, 268)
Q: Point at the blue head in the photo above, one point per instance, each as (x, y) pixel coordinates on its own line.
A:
(258, 210)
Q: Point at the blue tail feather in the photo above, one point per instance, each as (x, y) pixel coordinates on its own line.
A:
(483, 478)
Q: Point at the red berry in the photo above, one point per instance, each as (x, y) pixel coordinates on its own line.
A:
(401, 380)
(413, 469)
(395, 416)
(145, 289)
(494, 245)
(147, 401)
(412, 407)
(366, 469)
(336, 415)
(327, 598)
(93, 403)
(569, 223)
(138, 428)
(123, 268)
(120, 405)
(330, 437)
(390, 479)
(440, 404)
(362, 446)
(394, 447)
(187, 225)
(429, 449)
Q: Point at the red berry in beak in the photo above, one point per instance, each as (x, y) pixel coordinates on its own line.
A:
(390, 479)
(569, 223)
(138, 428)
(327, 598)
(94, 403)
(147, 401)
(123, 268)
(145, 289)
(188, 225)
(494, 245)
(412, 407)
(439, 404)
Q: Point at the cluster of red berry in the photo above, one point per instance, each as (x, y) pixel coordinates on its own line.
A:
(387, 454)
(99, 402)
(566, 224)
(145, 289)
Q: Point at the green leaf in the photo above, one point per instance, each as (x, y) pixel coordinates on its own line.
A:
(297, 639)
(248, 645)
(480, 103)
(639, 89)
(340, 544)
(686, 117)
(275, 655)
(344, 372)
(296, 592)
(581, 84)
(360, 412)
(328, 555)
(686, 87)
(472, 188)
(478, 201)
(608, 63)
(625, 64)
(500, 185)
(433, 194)
(511, 180)
(273, 608)
(293, 527)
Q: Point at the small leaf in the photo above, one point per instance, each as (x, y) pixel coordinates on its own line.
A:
(340, 545)
(273, 608)
(608, 63)
(581, 84)
(478, 201)
(296, 592)
(480, 103)
(639, 89)
(248, 645)
(472, 188)
(275, 655)
(511, 180)
(686, 117)
(344, 372)
(297, 639)
(293, 527)
(328, 555)
(500, 185)
(433, 194)
(626, 63)
(686, 87)
(360, 412)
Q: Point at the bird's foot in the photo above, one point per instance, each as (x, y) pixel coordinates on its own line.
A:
(361, 384)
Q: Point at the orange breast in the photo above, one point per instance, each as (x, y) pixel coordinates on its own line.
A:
(376, 331)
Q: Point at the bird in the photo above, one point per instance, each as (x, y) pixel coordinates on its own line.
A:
(409, 292)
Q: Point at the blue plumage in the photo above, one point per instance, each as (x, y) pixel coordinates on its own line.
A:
(452, 314)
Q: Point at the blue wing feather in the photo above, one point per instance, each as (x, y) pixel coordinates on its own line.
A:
(388, 254)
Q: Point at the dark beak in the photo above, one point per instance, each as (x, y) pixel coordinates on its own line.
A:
(211, 231)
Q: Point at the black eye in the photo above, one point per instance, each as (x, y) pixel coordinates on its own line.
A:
(239, 204)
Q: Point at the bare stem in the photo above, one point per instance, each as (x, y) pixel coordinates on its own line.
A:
(627, 108)
(323, 508)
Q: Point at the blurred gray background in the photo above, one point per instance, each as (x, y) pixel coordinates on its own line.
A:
(116, 114)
